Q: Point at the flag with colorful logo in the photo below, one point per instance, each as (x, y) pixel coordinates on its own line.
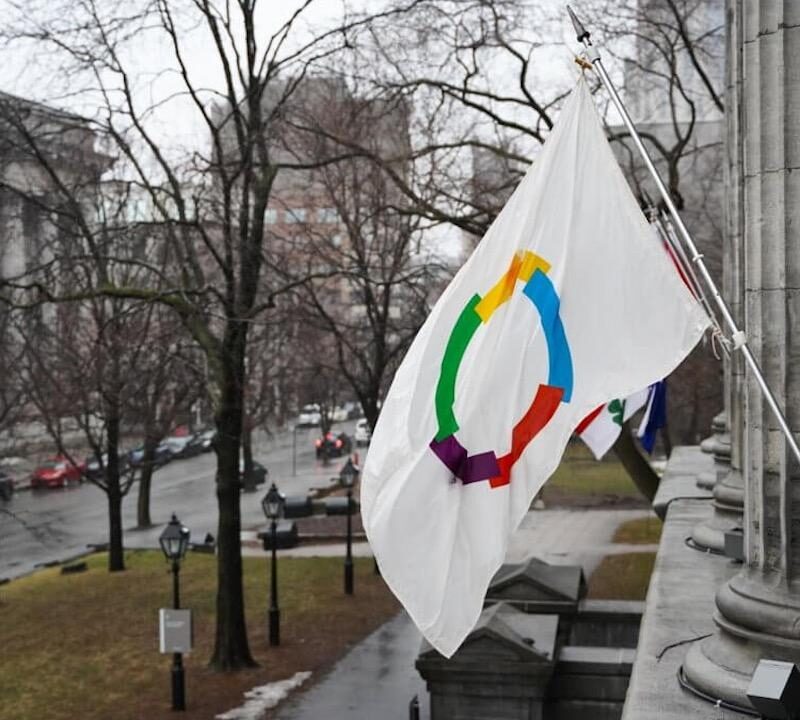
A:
(516, 352)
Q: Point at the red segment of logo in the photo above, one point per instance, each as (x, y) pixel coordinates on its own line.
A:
(589, 419)
(542, 408)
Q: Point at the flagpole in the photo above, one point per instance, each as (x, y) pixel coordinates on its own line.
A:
(738, 336)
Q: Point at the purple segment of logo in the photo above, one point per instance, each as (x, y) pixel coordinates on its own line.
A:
(468, 469)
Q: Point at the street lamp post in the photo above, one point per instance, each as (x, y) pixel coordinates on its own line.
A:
(348, 476)
(272, 504)
(294, 451)
(174, 542)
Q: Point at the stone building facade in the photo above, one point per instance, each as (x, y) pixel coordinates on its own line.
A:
(730, 616)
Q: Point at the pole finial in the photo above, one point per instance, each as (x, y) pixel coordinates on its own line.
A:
(581, 33)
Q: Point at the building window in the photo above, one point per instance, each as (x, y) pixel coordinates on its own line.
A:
(336, 241)
(271, 217)
(296, 215)
(327, 215)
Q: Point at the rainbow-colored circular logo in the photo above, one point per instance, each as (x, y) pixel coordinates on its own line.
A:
(532, 271)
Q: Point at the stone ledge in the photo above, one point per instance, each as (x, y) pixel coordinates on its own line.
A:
(680, 600)
(680, 478)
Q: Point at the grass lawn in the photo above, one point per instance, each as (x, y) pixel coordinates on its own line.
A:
(642, 531)
(86, 646)
(622, 577)
(582, 481)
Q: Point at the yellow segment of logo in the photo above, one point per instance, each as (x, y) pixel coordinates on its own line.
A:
(522, 266)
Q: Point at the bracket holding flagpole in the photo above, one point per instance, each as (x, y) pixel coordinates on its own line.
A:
(738, 337)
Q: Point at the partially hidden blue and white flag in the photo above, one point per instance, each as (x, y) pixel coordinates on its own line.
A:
(654, 417)
(566, 304)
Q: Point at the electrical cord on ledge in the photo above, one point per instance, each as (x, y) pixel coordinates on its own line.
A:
(690, 542)
(718, 702)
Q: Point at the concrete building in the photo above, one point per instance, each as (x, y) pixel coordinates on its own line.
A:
(66, 143)
(38, 143)
(711, 618)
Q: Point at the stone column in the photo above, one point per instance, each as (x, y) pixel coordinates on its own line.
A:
(758, 610)
(728, 490)
(718, 445)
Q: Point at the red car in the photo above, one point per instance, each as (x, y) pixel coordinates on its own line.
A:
(58, 472)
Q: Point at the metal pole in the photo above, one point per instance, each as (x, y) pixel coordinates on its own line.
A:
(413, 708)
(274, 612)
(294, 451)
(737, 336)
(178, 684)
(348, 558)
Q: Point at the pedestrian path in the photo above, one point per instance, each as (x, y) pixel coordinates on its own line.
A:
(377, 679)
(578, 537)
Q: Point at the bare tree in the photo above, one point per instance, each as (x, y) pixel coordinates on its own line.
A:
(168, 381)
(362, 315)
(79, 367)
(211, 201)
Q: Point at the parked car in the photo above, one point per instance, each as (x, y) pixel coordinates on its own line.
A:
(6, 486)
(259, 473)
(94, 470)
(339, 414)
(353, 410)
(309, 416)
(162, 455)
(207, 440)
(184, 446)
(362, 433)
(58, 472)
(330, 445)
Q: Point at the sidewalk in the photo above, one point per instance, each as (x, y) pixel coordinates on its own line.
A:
(374, 681)
(377, 678)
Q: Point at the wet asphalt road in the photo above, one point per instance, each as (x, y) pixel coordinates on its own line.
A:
(49, 525)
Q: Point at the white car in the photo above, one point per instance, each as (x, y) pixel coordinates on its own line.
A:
(309, 416)
(362, 433)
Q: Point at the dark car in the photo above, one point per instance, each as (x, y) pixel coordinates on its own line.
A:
(94, 469)
(187, 446)
(207, 440)
(258, 475)
(162, 455)
(331, 446)
(6, 486)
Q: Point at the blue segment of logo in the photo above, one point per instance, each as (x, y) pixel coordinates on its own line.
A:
(542, 294)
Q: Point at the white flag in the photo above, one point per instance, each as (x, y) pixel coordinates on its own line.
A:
(514, 354)
(601, 427)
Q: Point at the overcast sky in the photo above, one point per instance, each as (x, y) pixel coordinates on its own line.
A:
(28, 72)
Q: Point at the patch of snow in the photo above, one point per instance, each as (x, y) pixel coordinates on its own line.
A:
(262, 698)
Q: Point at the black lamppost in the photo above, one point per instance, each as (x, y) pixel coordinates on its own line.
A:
(347, 477)
(174, 542)
(294, 451)
(272, 504)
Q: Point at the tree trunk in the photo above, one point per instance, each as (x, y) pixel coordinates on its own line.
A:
(369, 404)
(116, 555)
(247, 453)
(145, 482)
(635, 464)
(231, 648)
